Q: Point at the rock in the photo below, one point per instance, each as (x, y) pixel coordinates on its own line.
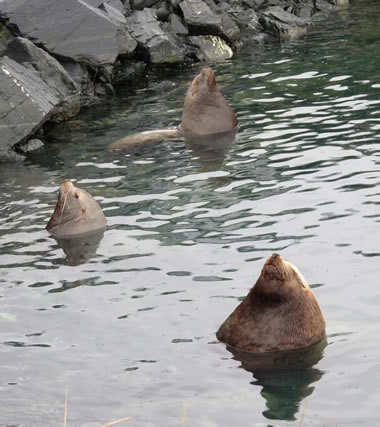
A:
(31, 145)
(248, 22)
(198, 15)
(125, 43)
(70, 29)
(51, 72)
(155, 45)
(142, 4)
(163, 12)
(341, 3)
(5, 37)
(211, 48)
(35, 89)
(324, 6)
(229, 29)
(254, 4)
(282, 24)
(178, 27)
(80, 75)
(163, 86)
(303, 10)
(10, 156)
(201, 19)
(127, 71)
(103, 89)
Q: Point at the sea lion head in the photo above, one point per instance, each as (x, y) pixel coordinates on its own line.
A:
(279, 280)
(76, 212)
(203, 83)
(280, 312)
(205, 110)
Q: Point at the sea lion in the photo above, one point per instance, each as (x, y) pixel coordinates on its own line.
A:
(76, 212)
(205, 112)
(279, 313)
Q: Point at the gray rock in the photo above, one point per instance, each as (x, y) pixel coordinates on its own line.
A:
(31, 145)
(78, 72)
(325, 6)
(164, 86)
(249, 23)
(48, 68)
(142, 4)
(211, 48)
(198, 15)
(26, 102)
(254, 4)
(164, 11)
(203, 20)
(229, 29)
(68, 29)
(341, 3)
(5, 37)
(157, 46)
(125, 43)
(126, 71)
(282, 24)
(178, 27)
(32, 90)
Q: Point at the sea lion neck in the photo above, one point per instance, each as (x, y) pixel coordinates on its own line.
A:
(64, 212)
(209, 77)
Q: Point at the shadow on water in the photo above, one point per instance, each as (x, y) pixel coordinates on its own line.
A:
(80, 249)
(285, 377)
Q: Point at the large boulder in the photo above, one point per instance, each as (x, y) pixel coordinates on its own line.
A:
(201, 19)
(155, 45)
(69, 29)
(282, 24)
(34, 89)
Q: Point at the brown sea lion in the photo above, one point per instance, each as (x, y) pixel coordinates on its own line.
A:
(205, 112)
(76, 212)
(279, 313)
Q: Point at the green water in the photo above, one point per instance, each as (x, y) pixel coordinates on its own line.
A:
(131, 331)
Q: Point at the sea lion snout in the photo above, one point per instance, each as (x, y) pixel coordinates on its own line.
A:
(275, 268)
(66, 186)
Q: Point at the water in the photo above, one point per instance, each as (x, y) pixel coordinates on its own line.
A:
(131, 332)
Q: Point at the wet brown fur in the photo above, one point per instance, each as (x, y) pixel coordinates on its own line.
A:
(205, 110)
(76, 212)
(279, 313)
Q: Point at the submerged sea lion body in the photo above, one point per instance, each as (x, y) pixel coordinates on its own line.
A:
(279, 313)
(76, 212)
(205, 112)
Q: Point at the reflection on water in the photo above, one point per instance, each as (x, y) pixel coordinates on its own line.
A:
(187, 233)
(79, 249)
(285, 377)
(211, 149)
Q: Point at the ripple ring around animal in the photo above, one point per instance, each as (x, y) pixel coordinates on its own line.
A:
(205, 112)
(280, 312)
(76, 212)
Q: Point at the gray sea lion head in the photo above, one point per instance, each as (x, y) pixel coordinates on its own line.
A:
(76, 212)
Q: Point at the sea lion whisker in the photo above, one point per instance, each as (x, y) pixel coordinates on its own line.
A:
(63, 208)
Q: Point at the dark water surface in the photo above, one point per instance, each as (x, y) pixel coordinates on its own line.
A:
(131, 332)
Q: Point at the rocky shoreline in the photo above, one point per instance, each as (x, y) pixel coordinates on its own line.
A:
(58, 56)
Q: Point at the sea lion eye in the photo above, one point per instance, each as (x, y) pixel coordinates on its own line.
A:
(76, 195)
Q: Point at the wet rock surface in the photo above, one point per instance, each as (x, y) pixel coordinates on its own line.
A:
(56, 56)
